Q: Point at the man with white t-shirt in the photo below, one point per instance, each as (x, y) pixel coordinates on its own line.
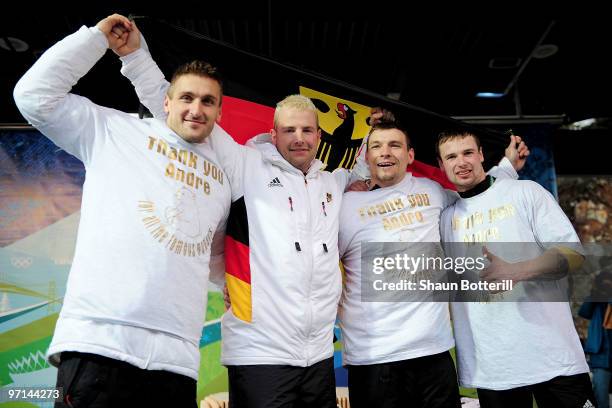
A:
(397, 353)
(512, 351)
(154, 197)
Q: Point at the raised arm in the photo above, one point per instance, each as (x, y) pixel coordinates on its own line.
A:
(517, 152)
(42, 94)
(514, 160)
(360, 172)
(148, 80)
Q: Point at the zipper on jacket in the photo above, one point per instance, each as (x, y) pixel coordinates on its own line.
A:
(311, 273)
(296, 243)
(325, 222)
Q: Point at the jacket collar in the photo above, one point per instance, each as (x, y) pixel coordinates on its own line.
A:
(263, 143)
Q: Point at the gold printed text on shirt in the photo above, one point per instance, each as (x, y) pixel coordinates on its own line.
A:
(484, 224)
(395, 204)
(402, 219)
(189, 160)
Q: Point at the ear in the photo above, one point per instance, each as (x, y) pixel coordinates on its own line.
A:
(166, 102)
(220, 114)
(410, 156)
(441, 164)
(273, 136)
(481, 154)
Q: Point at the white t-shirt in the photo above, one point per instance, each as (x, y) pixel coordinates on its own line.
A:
(379, 332)
(153, 212)
(504, 345)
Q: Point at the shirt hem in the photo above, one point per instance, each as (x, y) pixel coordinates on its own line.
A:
(53, 356)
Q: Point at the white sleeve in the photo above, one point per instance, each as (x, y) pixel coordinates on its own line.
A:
(42, 94)
(233, 157)
(343, 178)
(148, 81)
(349, 226)
(503, 170)
(343, 234)
(450, 197)
(446, 225)
(549, 222)
(217, 256)
(361, 171)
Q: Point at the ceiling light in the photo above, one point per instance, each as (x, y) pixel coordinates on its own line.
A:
(545, 51)
(581, 124)
(489, 95)
(504, 62)
(13, 44)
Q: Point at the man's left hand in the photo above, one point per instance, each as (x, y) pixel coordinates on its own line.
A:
(517, 152)
(498, 269)
(358, 185)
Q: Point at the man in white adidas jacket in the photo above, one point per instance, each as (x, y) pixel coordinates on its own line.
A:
(281, 254)
(129, 330)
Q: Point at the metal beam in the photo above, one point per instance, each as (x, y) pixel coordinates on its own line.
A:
(515, 119)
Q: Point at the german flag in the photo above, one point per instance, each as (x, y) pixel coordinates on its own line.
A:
(241, 119)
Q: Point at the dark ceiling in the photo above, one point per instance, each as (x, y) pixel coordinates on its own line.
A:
(438, 64)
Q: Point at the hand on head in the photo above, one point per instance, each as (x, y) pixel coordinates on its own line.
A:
(379, 114)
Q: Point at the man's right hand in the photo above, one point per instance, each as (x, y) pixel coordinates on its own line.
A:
(132, 42)
(380, 115)
(226, 297)
(358, 185)
(116, 29)
(517, 152)
(122, 34)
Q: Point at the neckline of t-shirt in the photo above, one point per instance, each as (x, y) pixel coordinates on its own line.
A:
(483, 193)
(407, 179)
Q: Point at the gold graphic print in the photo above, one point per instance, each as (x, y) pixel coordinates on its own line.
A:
(168, 231)
(481, 226)
(177, 224)
(398, 212)
(183, 216)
